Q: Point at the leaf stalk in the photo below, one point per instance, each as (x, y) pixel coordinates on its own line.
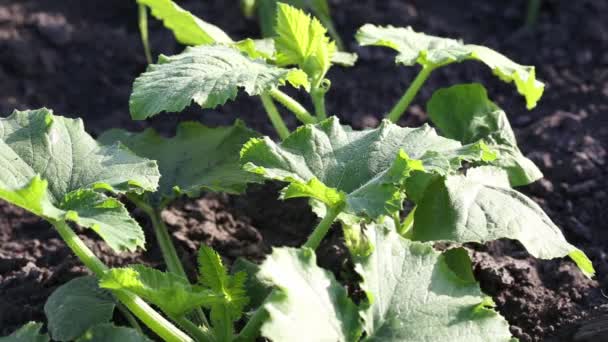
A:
(274, 116)
(318, 98)
(314, 240)
(292, 105)
(136, 305)
(395, 114)
(143, 31)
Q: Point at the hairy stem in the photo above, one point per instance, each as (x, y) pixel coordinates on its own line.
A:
(274, 116)
(135, 304)
(143, 31)
(251, 330)
(129, 317)
(318, 97)
(294, 106)
(314, 240)
(410, 94)
(199, 334)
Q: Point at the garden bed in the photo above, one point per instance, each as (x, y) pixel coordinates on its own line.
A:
(80, 59)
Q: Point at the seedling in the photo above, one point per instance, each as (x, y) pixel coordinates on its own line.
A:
(460, 184)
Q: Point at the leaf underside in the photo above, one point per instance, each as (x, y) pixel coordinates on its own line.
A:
(431, 51)
(51, 167)
(481, 207)
(196, 158)
(418, 294)
(465, 113)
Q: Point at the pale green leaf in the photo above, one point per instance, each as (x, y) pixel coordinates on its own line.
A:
(465, 113)
(481, 207)
(170, 292)
(77, 306)
(50, 166)
(196, 158)
(257, 48)
(431, 51)
(417, 294)
(110, 333)
(209, 75)
(308, 304)
(301, 40)
(347, 59)
(365, 169)
(187, 28)
(30, 332)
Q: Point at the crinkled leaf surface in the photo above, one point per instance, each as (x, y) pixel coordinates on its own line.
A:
(187, 28)
(308, 304)
(209, 75)
(172, 293)
(50, 166)
(417, 294)
(431, 51)
(30, 332)
(364, 169)
(465, 113)
(110, 333)
(196, 158)
(302, 40)
(482, 207)
(77, 306)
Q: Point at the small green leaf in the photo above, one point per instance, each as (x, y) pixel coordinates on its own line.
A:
(187, 28)
(482, 207)
(308, 304)
(464, 112)
(431, 51)
(213, 275)
(365, 170)
(30, 332)
(256, 290)
(76, 306)
(209, 75)
(196, 158)
(172, 293)
(257, 48)
(347, 59)
(418, 294)
(50, 166)
(110, 333)
(301, 40)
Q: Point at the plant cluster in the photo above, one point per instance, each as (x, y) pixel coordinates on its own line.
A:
(460, 185)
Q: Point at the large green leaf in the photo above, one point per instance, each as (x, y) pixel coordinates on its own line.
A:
(431, 51)
(50, 166)
(308, 304)
(30, 332)
(209, 75)
(465, 113)
(363, 169)
(110, 333)
(418, 294)
(172, 293)
(187, 28)
(301, 40)
(196, 158)
(77, 306)
(481, 207)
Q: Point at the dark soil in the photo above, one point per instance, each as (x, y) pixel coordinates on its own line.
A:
(80, 58)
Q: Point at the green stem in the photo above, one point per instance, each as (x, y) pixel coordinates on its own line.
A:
(174, 264)
(251, 330)
(318, 97)
(274, 116)
(143, 31)
(192, 329)
(533, 11)
(135, 304)
(405, 228)
(410, 94)
(314, 240)
(294, 106)
(129, 317)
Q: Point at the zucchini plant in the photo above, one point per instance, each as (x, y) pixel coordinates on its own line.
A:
(459, 184)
